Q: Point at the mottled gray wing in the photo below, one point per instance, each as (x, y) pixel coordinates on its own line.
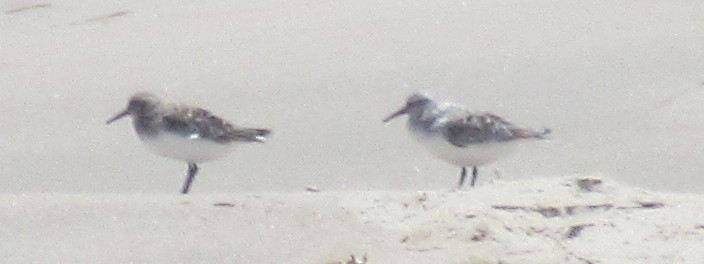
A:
(201, 123)
(476, 129)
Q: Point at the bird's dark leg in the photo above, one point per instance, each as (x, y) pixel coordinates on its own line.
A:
(192, 170)
(474, 175)
(463, 176)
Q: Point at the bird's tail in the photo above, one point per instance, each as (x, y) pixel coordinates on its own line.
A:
(252, 134)
(529, 133)
(542, 134)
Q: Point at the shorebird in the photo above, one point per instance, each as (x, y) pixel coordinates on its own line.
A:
(186, 133)
(459, 137)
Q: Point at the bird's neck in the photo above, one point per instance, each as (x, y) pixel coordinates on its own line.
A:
(423, 120)
(147, 125)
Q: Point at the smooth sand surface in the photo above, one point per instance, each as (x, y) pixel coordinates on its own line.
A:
(620, 83)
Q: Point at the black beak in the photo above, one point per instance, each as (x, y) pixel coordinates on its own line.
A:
(118, 116)
(395, 114)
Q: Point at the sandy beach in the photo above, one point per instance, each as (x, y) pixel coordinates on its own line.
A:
(620, 85)
(554, 220)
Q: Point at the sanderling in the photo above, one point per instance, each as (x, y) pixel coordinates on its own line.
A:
(185, 133)
(455, 135)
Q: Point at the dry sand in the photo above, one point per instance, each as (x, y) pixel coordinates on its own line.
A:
(551, 220)
(620, 84)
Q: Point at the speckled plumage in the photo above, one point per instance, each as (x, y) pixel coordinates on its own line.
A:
(151, 117)
(186, 133)
(459, 136)
(482, 128)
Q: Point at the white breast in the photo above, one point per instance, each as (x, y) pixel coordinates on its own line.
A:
(187, 149)
(470, 155)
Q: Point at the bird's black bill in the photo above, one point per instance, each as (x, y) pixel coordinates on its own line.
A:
(395, 115)
(118, 116)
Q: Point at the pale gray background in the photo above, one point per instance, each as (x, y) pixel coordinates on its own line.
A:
(619, 82)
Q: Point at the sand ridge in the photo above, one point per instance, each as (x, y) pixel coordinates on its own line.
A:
(554, 220)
